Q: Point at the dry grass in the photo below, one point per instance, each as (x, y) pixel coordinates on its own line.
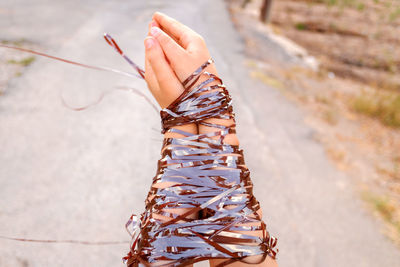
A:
(18, 42)
(23, 62)
(330, 116)
(386, 208)
(266, 79)
(384, 106)
(342, 3)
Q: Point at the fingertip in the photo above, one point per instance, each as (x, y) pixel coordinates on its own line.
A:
(160, 17)
(149, 42)
(155, 31)
(157, 14)
(153, 50)
(153, 23)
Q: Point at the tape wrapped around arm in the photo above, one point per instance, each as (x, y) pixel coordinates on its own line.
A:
(208, 180)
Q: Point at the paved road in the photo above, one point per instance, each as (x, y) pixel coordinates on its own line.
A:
(79, 175)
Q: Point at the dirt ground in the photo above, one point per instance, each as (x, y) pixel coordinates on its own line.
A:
(355, 39)
(353, 99)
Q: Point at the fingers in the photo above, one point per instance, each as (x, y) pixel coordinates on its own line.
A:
(183, 34)
(169, 33)
(149, 73)
(175, 54)
(172, 50)
(155, 56)
(169, 85)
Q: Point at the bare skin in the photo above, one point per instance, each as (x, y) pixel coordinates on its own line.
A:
(173, 52)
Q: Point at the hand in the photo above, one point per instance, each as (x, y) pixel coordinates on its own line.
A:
(171, 42)
(186, 50)
(159, 76)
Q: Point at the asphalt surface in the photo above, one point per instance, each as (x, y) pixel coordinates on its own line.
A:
(69, 175)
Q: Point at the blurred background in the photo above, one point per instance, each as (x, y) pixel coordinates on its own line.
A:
(316, 89)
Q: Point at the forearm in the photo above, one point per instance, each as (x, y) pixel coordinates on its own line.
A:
(231, 138)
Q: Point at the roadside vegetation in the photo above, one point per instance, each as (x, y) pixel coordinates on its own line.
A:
(384, 106)
(13, 63)
(353, 99)
(23, 62)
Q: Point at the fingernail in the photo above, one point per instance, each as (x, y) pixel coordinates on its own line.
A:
(148, 43)
(155, 31)
(153, 24)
